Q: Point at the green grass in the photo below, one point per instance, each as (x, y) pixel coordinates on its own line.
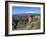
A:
(36, 24)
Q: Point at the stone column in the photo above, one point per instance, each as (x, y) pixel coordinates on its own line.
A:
(29, 18)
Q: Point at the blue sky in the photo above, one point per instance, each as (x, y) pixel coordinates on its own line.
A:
(19, 10)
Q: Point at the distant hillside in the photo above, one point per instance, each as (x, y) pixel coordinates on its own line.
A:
(27, 14)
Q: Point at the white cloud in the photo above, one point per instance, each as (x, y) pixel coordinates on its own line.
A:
(30, 12)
